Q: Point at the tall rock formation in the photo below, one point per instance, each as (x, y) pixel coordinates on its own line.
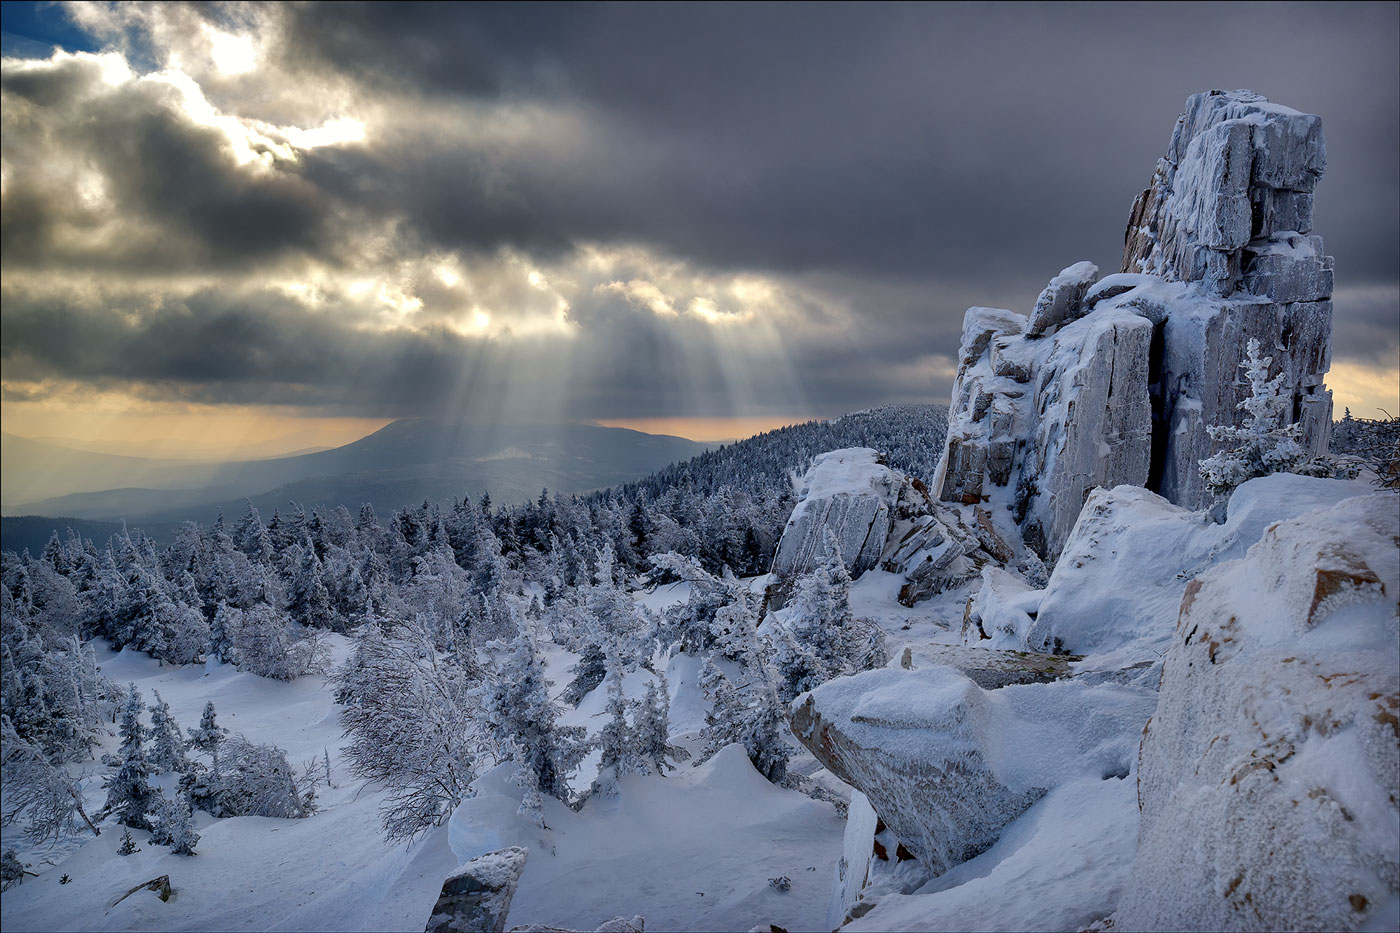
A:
(1115, 380)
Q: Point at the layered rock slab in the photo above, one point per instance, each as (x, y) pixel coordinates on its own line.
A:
(1269, 781)
(1217, 253)
(851, 493)
(947, 765)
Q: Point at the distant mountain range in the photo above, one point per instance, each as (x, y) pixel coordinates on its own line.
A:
(404, 462)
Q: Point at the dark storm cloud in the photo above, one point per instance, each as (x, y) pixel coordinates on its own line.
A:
(168, 182)
(887, 165)
(939, 141)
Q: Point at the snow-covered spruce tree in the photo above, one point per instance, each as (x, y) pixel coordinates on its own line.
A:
(652, 729)
(210, 734)
(250, 780)
(167, 747)
(129, 793)
(1264, 444)
(174, 825)
(39, 795)
(525, 721)
(617, 741)
(413, 719)
(748, 713)
(128, 845)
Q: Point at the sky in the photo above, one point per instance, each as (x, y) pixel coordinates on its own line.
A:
(228, 223)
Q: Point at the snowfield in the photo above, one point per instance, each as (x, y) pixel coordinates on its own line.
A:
(692, 850)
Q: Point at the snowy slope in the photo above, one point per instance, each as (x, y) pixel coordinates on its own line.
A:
(692, 850)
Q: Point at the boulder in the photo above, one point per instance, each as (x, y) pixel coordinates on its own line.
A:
(615, 925)
(1269, 779)
(476, 897)
(1127, 563)
(878, 517)
(928, 747)
(850, 493)
(1062, 300)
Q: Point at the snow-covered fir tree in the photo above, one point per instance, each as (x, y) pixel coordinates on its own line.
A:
(617, 741)
(748, 713)
(129, 792)
(167, 746)
(174, 825)
(652, 730)
(210, 734)
(11, 870)
(1265, 443)
(525, 721)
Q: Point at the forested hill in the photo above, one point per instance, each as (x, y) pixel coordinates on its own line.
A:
(910, 436)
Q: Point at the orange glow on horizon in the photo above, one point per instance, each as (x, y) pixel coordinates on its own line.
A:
(708, 430)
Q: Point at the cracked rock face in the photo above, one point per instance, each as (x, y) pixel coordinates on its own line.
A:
(1278, 722)
(877, 517)
(853, 494)
(1115, 380)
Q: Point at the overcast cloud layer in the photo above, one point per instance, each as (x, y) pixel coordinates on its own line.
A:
(620, 211)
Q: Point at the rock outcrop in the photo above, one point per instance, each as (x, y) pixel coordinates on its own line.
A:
(850, 493)
(476, 897)
(1130, 557)
(1269, 779)
(928, 748)
(878, 517)
(1115, 380)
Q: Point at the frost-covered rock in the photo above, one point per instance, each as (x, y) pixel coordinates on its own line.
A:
(1003, 610)
(1119, 581)
(1093, 422)
(1238, 169)
(947, 764)
(852, 493)
(1269, 780)
(878, 517)
(476, 897)
(1062, 300)
(1116, 380)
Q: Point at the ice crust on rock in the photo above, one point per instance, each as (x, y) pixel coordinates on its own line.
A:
(1117, 588)
(1114, 381)
(1270, 773)
(879, 517)
(947, 765)
(852, 493)
(476, 897)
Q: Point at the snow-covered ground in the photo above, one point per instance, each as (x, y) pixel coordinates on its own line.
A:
(693, 850)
